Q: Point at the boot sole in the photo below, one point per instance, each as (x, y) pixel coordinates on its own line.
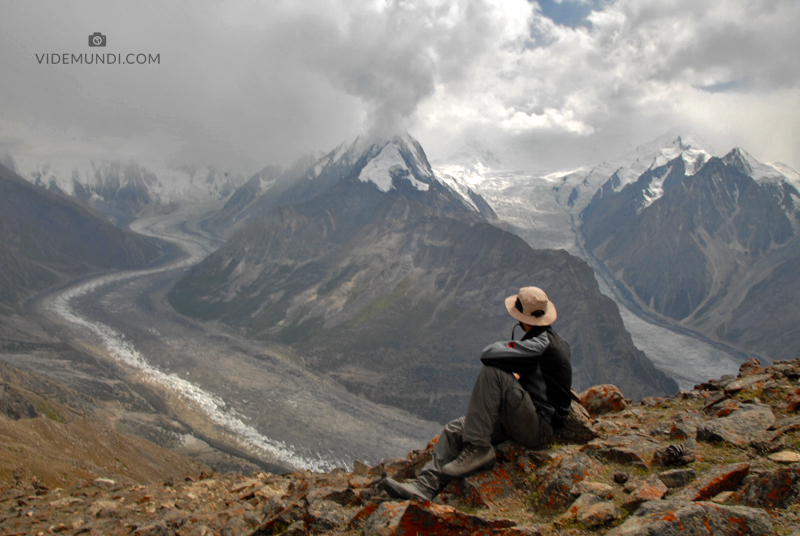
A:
(485, 467)
(401, 493)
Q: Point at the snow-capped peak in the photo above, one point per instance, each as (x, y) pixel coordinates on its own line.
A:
(388, 163)
(687, 149)
(760, 172)
(384, 159)
(578, 189)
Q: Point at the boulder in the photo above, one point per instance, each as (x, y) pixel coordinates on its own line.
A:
(590, 511)
(684, 425)
(599, 514)
(740, 427)
(626, 455)
(723, 409)
(578, 428)
(784, 426)
(748, 368)
(768, 441)
(776, 489)
(385, 518)
(755, 381)
(677, 478)
(361, 517)
(324, 516)
(600, 489)
(793, 402)
(628, 449)
(600, 399)
(680, 518)
(786, 456)
(483, 489)
(715, 481)
(434, 519)
(556, 480)
(516, 457)
(652, 489)
(280, 516)
(584, 501)
(361, 469)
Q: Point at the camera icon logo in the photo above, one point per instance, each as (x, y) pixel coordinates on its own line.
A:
(97, 40)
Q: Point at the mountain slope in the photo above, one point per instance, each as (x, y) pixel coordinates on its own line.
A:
(265, 185)
(383, 277)
(731, 472)
(707, 247)
(51, 433)
(46, 238)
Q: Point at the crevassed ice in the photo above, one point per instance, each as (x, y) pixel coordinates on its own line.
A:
(458, 179)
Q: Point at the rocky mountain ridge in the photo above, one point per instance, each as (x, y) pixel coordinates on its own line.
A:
(704, 248)
(578, 188)
(379, 161)
(720, 459)
(707, 257)
(383, 277)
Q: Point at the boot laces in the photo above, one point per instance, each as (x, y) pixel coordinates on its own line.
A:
(466, 453)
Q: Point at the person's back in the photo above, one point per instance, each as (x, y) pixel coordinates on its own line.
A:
(523, 393)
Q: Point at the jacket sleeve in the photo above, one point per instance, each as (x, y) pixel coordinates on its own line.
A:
(515, 356)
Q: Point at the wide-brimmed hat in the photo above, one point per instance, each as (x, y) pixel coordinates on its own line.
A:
(531, 306)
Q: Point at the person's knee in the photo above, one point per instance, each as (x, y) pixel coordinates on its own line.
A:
(491, 372)
(494, 374)
(455, 426)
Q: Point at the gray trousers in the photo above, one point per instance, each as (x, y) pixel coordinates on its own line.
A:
(499, 409)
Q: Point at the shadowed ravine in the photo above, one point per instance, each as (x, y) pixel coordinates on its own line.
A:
(260, 399)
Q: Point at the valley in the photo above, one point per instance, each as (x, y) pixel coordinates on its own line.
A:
(316, 303)
(534, 213)
(252, 400)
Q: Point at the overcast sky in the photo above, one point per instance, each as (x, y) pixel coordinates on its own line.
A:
(550, 85)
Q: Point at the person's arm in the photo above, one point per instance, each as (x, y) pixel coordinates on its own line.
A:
(515, 356)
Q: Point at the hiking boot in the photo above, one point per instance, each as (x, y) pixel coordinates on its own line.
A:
(409, 490)
(471, 458)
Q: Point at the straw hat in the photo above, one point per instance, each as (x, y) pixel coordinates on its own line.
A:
(531, 306)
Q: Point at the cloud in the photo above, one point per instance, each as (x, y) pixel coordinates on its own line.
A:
(634, 71)
(550, 84)
(391, 55)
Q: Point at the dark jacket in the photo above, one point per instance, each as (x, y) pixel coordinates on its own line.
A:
(542, 359)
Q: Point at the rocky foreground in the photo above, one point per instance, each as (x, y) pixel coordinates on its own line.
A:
(722, 459)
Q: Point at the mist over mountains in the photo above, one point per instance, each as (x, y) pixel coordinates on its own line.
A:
(130, 189)
(46, 238)
(390, 281)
